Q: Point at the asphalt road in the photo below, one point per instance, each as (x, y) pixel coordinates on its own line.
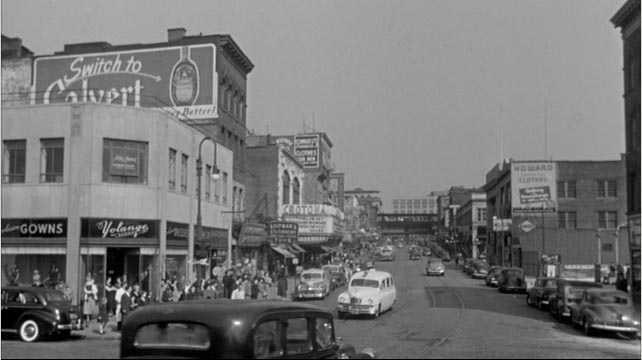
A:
(434, 317)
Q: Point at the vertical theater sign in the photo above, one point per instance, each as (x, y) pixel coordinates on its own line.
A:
(180, 79)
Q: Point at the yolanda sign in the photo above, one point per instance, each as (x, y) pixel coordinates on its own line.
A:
(181, 79)
(533, 187)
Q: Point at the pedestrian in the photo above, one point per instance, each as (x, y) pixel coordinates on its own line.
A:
(136, 297)
(14, 275)
(167, 289)
(238, 294)
(90, 291)
(118, 299)
(190, 293)
(110, 293)
(53, 275)
(103, 314)
(228, 284)
(282, 285)
(36, 279)
(254, 291)
(620, 281)
(210, 290)
(125, 305)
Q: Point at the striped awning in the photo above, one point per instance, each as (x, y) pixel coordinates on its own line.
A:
(283, 252)
(297, 248)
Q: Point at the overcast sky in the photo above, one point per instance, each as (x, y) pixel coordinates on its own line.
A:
(415, 95)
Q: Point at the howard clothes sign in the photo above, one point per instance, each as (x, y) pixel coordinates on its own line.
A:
(180, 79)
(533, 187)
(282, 232)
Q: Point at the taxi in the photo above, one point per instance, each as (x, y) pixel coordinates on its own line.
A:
(314, 283)
(370, 292)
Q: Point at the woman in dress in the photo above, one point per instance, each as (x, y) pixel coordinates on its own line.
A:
(90, 296)
(110, 294)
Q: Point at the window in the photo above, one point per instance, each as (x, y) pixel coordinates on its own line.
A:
(15, 152)
(217, 191)
(324, 334)
(607, 219)
(267, 340)
(286, 188)
(51, 159)
(566, 190)
(296, 191)
(224, 190)
(567, 219)
(297, 336)
(481, 215)
(124, 161)
(184, 159)
(208, 181)
(171, 171)
(606, 188)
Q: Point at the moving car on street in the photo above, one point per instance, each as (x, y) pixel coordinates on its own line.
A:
(232, 329)
(541, 291)
(387, 253)
(337, 275)
(36, 311)
(435, 266)
(370, 292)
(314, 283)
(607, 310)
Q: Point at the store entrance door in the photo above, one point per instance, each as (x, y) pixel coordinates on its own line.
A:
(123, 263)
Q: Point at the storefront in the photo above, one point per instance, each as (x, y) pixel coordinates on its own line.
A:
(209, 250)
(251, 251)
(283, 239)
(177, 250)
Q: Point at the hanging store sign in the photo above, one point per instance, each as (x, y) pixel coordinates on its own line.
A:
(213, 237)
(119, 228)
(34, 228)
(177, 231)
(533, 187)
(252, 234)
(282, 232)
(181, 80)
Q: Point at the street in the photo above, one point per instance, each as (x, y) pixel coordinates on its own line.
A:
(434, 317)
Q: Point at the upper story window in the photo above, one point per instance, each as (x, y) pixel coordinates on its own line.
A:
(567, 219)
(125, 161)
(606, 188)
(184, 162)
(296, 191)
(51, 159)
(208, 181)
(286, 188)
(481, 215)
(607, 219)
(171, 171)
(566, 190)
(224, 190)
(15, 158)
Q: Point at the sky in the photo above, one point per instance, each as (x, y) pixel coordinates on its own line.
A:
(416, 96)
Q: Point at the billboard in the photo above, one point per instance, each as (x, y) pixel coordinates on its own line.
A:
(533, 187)
(306, 149)
(181, 80)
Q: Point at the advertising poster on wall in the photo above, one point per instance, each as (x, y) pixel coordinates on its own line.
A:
(533, 187)
(181, 79)
(306, 149)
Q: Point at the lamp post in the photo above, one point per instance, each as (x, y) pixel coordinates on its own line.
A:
(199, 173)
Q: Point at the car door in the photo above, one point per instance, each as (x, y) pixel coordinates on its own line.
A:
(12, 308)
(393, 292)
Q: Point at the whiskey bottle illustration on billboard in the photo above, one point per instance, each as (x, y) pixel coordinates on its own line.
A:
(184, 80)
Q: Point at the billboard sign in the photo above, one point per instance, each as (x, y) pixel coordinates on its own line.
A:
(533, 187)
(180, 79)
(306, 149)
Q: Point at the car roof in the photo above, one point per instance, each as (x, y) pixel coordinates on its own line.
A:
(575, 282)
(371, 274)
(314, 271)
(434, 259)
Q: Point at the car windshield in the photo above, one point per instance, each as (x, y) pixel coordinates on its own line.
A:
(311, 276)
(55, 297)
(549, 284)
(333, 269)
(609, 299)
(364, 283)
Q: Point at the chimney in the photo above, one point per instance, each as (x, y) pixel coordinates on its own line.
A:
(175, 34)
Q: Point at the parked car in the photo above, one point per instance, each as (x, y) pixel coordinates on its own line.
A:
(541, 291)
(511, 280)
(36, 311)
(337, 275)
(479, 269)
(605, 309)
(313, 283)
(435, 266)
(466, 265)
(493, 274)
(226, 329)
(567, 292)
(370, 292)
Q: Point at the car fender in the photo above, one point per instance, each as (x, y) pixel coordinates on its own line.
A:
(42, 317)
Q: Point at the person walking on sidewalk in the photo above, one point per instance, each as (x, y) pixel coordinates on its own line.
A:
(125, 305)
(282, 287)
(103, 314)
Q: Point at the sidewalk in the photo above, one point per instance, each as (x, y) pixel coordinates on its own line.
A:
(92, 329)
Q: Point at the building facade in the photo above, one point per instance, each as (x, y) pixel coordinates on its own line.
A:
(110, 191)
(471, 225)
(369, 206)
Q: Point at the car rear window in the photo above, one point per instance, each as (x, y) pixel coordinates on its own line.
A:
(172, 336)
(365, 283)
(609, 299)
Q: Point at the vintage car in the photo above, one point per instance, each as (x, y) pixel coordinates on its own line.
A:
(370, 292)
(387, 253)
(605, 309)
(493, 274)
(541, 291)
(231, 329)
(337, 275)
(465, 267)
(567, 292)
(37, 311)
(511, 279)
(426, 251)
(414, 254)
(313, 283)
(479, 269)
(435, 266)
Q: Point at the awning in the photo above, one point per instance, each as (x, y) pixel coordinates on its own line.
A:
(283, 252)
(297, 248)
(326, 249)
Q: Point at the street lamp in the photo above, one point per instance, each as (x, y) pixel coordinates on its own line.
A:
(215, 175)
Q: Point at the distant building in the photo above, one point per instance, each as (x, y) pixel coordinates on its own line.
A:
(471, 224)
(370, 205)
(337, 189)
(17, 62)
(565, 208)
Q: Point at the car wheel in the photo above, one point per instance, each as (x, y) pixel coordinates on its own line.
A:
(528, 301)
(587, 328)
(378, 312)
(29, 330)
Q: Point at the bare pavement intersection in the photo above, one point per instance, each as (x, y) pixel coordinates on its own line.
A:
(450, 317)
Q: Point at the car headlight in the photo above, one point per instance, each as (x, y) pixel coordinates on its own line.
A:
(370, 302)
(343, 299)
(57, 312)
(636, 323)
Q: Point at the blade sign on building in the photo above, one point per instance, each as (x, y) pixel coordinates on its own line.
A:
(533, 187)
(282, 232)
(306, 149)
(181, 79)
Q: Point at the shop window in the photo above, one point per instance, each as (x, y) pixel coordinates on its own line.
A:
(51, 160)
(171, 172)
(15, 152)
(125, 161)
(184, 160)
